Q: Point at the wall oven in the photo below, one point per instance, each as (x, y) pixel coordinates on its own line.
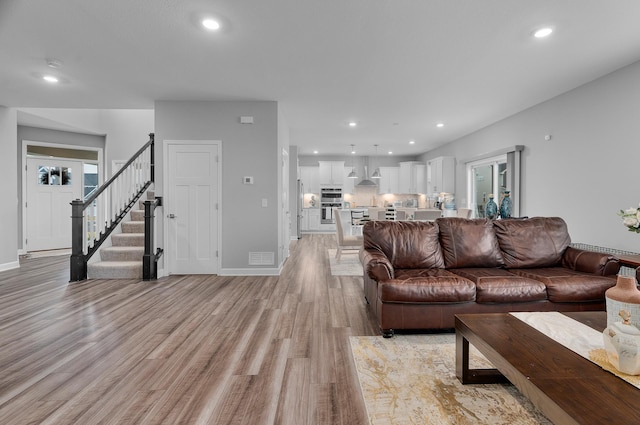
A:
(330, 198)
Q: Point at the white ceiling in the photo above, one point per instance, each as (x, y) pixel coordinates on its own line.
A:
(397, 67)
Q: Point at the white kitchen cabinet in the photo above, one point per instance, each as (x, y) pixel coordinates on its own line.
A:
(310, 219)
(349, 184)
(310, 177)
(411, 177)
(441, 175)
(389, 180)
(331, 173)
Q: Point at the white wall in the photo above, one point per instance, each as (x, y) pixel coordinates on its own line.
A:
(589, 169)
(247, 150)
(286, 215)
(9, 189)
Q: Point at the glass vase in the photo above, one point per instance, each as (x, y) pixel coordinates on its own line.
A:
(506, 205)
(491, 209)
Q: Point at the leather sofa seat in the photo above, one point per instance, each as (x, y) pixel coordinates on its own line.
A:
(495, 285)
(426, 286)
(568, 286)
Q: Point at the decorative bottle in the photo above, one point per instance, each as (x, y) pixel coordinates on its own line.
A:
(505, 205)
(491, 209)
(622, 336)
(624, 296)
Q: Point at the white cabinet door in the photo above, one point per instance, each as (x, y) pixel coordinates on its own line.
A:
(405, 178)
(389, 180)
(314, 218)
(331, 172)
(310, 179)
(411, 177)
(420, 178)
(441, 175)
(304, 221)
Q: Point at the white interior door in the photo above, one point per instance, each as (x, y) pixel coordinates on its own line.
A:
(192, 214)
(51, 186)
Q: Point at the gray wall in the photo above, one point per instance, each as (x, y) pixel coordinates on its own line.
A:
(589, 169)
(9, 189)
(247, 150)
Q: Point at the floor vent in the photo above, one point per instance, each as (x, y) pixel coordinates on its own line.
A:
(261, 258)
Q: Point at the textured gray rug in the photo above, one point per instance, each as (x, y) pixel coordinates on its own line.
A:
(349, 264)
(411, 379)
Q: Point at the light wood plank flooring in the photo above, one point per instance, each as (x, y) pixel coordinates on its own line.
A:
(183, 349)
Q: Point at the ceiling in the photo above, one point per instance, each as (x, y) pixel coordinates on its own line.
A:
(396, 67)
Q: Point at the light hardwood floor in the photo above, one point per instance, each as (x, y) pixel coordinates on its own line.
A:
(188, 349)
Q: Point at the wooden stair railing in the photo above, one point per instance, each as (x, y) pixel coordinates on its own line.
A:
(90, 226)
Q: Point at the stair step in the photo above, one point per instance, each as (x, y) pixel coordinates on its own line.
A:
(122, 253)
(115, 270)
(133, 227)
(137, 215)
(127, 239)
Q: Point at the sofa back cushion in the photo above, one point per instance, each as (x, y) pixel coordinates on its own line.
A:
(407, 244)
(468, 243)
(532, 242)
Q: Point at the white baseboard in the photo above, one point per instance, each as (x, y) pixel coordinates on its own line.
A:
(9, 266)
(274, 271)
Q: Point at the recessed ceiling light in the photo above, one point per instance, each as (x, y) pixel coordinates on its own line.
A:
(390, 153)
(50, 79)
(211, 24)
(315, 152)
(543, 32)
(353, 124)
(440, 125)
(412, 142)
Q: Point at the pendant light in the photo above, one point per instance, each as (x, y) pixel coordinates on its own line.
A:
(352, 174)
(376, 174)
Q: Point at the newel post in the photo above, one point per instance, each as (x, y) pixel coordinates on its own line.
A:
(78, 262)
(149, 266)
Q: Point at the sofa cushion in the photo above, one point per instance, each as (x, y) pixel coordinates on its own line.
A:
(426, 286)
(569, 286)
(495, 285)
(532, 242)
(407, 244)
(468, 243)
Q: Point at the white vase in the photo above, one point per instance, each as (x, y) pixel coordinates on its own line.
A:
(622, 335)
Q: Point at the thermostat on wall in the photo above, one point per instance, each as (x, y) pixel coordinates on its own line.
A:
(246, 120)
(247, 180)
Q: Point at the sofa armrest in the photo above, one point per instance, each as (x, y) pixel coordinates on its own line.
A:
(590, 262)
(376, 264)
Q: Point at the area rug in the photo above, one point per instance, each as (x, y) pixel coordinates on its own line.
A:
(349, 264)
(411, 379)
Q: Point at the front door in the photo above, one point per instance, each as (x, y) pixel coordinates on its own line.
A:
(51, 186)
(192, 214)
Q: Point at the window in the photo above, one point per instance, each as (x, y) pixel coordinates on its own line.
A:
(488, 177)
(493, 174)
(54, 176)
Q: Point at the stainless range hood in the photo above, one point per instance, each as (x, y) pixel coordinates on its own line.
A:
(366, 182)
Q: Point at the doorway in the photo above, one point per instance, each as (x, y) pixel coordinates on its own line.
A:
(192, 183)
(53, 176)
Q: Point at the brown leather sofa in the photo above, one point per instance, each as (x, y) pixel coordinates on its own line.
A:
(418, 275)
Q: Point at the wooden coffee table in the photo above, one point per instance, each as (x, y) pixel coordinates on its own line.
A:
(566, 387)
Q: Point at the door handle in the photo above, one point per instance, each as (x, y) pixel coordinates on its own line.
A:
(171, 215)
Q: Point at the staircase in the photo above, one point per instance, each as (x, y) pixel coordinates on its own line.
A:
(123, 259)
